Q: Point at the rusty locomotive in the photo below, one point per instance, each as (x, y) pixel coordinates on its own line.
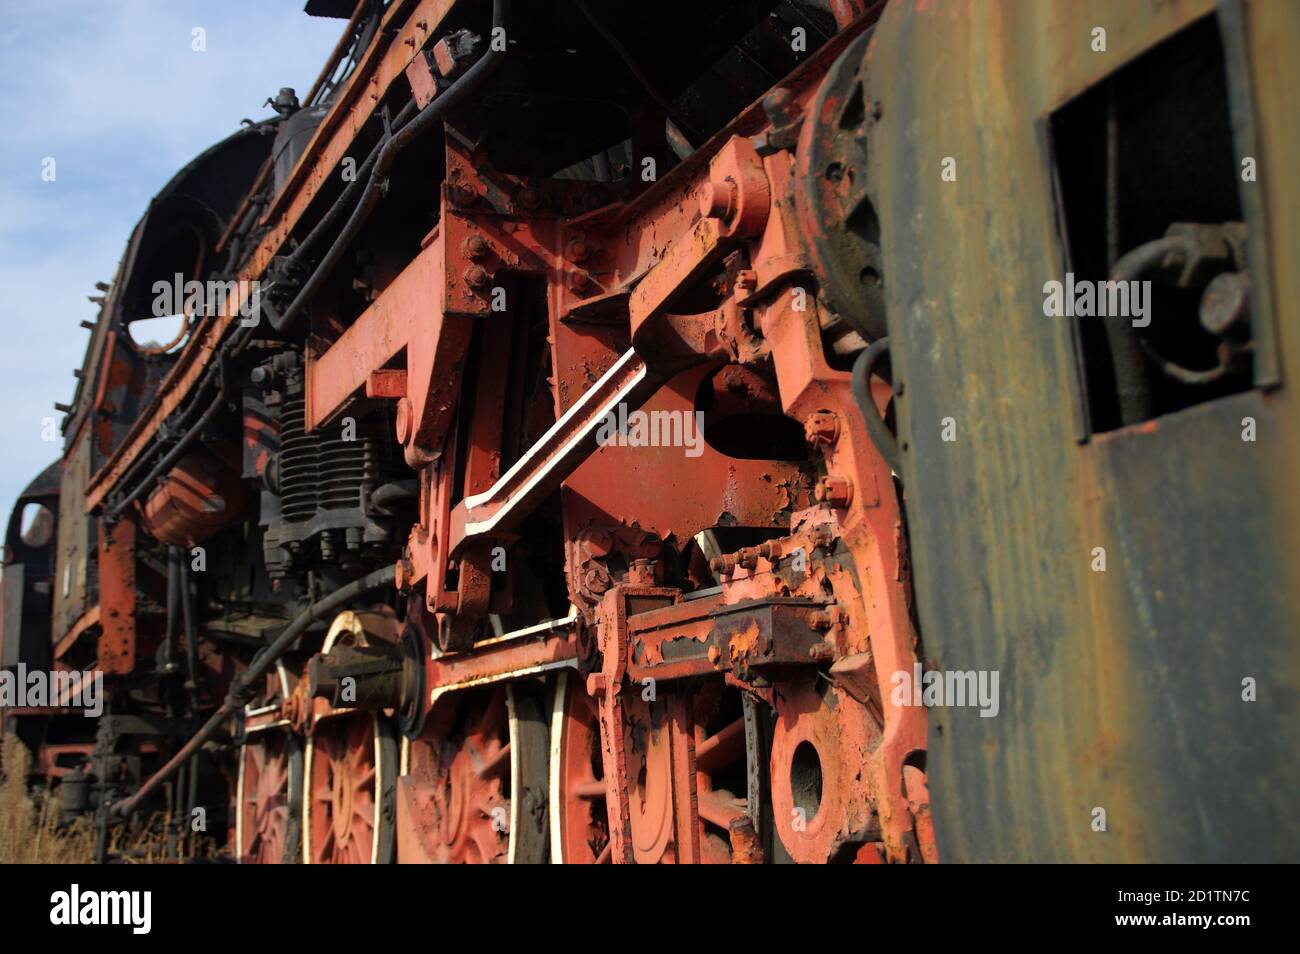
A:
(585, 418)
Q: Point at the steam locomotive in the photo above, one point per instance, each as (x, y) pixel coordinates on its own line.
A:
(759, 431)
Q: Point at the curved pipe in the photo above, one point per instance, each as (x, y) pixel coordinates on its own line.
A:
(861, 387)
(345, 197)
(1127, 358)
(242, 688)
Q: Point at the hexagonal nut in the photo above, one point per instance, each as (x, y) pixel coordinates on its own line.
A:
(822, 429)
(835, 491)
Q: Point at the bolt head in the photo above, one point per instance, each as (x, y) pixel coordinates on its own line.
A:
(476, 276)
(1225, 305)
(579, 281)
(822, 429)
(578, 250)
(718, 199)
(834, 491)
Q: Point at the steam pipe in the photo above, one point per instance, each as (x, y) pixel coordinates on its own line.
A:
(242, 687)
(860, 384)
(378, 181)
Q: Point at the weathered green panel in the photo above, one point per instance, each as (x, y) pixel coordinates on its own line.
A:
(1120, 690)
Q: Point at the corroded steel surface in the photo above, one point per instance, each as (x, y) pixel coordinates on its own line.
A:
(1123, 689)
(627, 490)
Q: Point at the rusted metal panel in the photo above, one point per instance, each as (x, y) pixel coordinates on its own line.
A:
(75, 539)
(339, 375)
(1120, 690)
(117, 595)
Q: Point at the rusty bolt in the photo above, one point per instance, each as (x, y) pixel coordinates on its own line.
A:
(641, 572)
(579, 281)
(461, 194)
(578, 250)
(475, 247)
(822, 429)
(779, 107)
(405, 571)
(718, 199)
(835, 491)
(595, 579)
(596, 684)
(715, 655)
(476, 276)
(821, 652)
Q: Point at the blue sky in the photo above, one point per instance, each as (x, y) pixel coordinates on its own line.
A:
(115, 93)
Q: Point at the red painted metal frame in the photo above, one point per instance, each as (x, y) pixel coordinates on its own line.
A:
(635, 259)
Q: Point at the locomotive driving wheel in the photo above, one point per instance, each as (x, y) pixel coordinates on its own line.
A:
(579, 813)
(711, 727)
(268, 823)
(348, 806)
(475, 784)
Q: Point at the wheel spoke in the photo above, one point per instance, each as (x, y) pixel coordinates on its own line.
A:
(497, 765)
(721, 749)
(719, 809)
(593, 789)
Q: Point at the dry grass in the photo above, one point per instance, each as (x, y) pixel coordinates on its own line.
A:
(30, 832)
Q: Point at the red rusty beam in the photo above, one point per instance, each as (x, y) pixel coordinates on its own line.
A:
(541, 648)
(117, 596)
(340, 376)
(556, 455)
